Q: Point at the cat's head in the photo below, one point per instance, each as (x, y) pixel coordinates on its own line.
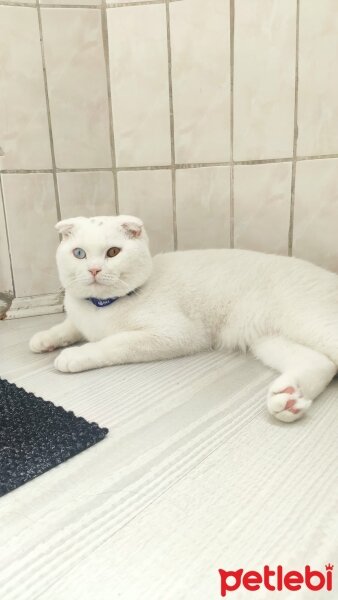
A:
(103, 257)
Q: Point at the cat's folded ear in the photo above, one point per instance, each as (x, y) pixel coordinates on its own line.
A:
(132, 226)
(65, 227)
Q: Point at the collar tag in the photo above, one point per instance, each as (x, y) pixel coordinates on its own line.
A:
(101, 302)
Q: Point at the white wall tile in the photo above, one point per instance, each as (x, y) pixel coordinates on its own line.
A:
(318, 81)
(148, 195)
(264, 80)
(262, 196)
(316, 212)
(6, 284)
(202, 207)
(201, 79)
(139, 77)
(31, 216)
(86, 194)
(77, 87)
(24, 136)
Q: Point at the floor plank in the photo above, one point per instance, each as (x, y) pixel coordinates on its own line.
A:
(193, 476)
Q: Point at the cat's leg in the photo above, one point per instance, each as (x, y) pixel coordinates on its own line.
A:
(305, 374)
(131, 347)
(58, 336)
(315, 326)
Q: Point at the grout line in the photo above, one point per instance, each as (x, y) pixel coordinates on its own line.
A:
(177, 166)
(144, 168)
(172, 126)
(110, 105)
(82, 170)
(24, 171)
(25, 4)
(7, 235)
(70, 5)
(139, 3)
(51, 140)
(232, 182)
(318, 157)
(201, 165)
(98, 5)
(263, 161)
(295, 138)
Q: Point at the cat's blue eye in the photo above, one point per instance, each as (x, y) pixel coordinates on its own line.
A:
(79, 253)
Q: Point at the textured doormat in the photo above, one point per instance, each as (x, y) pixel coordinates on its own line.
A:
(36, 436)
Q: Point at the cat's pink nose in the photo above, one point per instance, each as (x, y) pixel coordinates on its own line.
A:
(94, 271)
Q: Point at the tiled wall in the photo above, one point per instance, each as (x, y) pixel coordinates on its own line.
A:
(184, 112)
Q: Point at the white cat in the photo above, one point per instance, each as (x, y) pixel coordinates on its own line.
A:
(132, 308)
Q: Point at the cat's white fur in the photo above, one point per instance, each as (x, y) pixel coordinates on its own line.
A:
(284, 310)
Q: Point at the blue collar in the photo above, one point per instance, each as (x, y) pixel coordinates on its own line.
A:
(101, 302)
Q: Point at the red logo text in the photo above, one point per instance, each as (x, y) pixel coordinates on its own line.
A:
(276, 579)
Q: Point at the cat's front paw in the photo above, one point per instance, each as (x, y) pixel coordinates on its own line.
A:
(74, 360)
(42, 342)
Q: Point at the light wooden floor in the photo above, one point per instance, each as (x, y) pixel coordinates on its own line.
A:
(194, 476)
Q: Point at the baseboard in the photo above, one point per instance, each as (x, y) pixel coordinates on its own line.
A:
(32, 306)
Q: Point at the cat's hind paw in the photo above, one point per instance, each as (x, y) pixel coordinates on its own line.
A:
(286, 401)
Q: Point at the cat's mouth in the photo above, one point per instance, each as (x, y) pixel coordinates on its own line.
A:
(104, 282)
(98, 283)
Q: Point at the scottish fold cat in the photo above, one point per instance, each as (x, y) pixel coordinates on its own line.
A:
(129, 307)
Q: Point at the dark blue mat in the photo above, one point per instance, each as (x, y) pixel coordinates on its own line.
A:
(35, 436)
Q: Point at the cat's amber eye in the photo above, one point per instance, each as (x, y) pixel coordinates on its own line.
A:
(79, 253)
(113, 251)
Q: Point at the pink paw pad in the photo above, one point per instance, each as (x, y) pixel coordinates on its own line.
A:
(290, 406)
(288, 390)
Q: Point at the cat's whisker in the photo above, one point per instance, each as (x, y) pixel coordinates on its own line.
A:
(136, 291)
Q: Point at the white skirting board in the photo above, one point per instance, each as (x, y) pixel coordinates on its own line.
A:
(31, 306)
